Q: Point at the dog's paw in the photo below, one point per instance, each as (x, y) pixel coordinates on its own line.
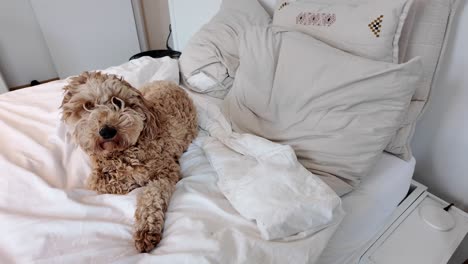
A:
(146, 241)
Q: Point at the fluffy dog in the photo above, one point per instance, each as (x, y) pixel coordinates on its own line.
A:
(134, 139)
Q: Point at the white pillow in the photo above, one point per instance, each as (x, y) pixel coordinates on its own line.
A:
(338, 111)
(368, 28)
(213, 50)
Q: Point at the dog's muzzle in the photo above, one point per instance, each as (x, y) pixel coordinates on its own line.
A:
(107, 132)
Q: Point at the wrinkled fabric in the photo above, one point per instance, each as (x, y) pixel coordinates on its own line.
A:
(210, 59)
(336, 110)
(48, 216)
(265, 182)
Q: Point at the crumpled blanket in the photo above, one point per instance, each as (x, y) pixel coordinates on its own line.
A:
(48, 216)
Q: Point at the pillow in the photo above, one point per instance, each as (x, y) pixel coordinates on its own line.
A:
(338, 111)
(368, 28)
(209, 61)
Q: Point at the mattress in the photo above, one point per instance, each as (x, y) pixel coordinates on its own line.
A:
(368, 207)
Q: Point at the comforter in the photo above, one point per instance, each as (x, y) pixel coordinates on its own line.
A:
(241, 199)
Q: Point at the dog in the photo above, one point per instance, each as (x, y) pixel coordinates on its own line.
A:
(134, 138)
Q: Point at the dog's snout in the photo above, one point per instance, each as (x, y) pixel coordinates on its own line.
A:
(107, 132)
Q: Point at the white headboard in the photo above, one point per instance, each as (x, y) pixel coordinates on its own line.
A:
(187, 16)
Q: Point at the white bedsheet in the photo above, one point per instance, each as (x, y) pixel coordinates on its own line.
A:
(47, 216)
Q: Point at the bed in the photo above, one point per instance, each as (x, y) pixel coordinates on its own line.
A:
(47, 209)
(48, 216)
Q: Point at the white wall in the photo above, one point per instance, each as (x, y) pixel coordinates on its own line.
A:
(188, 17)
(87, 34)
(23, 53)
(440, 143)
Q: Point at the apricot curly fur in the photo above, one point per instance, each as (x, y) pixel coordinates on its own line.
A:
(154, 125)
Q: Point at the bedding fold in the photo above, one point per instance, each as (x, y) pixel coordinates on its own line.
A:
(264, 181)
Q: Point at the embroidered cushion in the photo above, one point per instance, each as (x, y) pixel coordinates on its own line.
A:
(368, 28)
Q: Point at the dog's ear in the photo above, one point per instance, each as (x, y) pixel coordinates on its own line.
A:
(70, 109)
(153, 121)
(72, 87)
(152, 117)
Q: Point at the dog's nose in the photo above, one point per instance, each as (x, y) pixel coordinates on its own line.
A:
(107, 132)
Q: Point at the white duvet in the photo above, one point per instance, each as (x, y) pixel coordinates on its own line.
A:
(242, 199)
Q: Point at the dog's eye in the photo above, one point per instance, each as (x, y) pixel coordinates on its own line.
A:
(88, 106)
(117, 102)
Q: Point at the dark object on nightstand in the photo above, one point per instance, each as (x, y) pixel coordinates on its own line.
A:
(160, 53)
